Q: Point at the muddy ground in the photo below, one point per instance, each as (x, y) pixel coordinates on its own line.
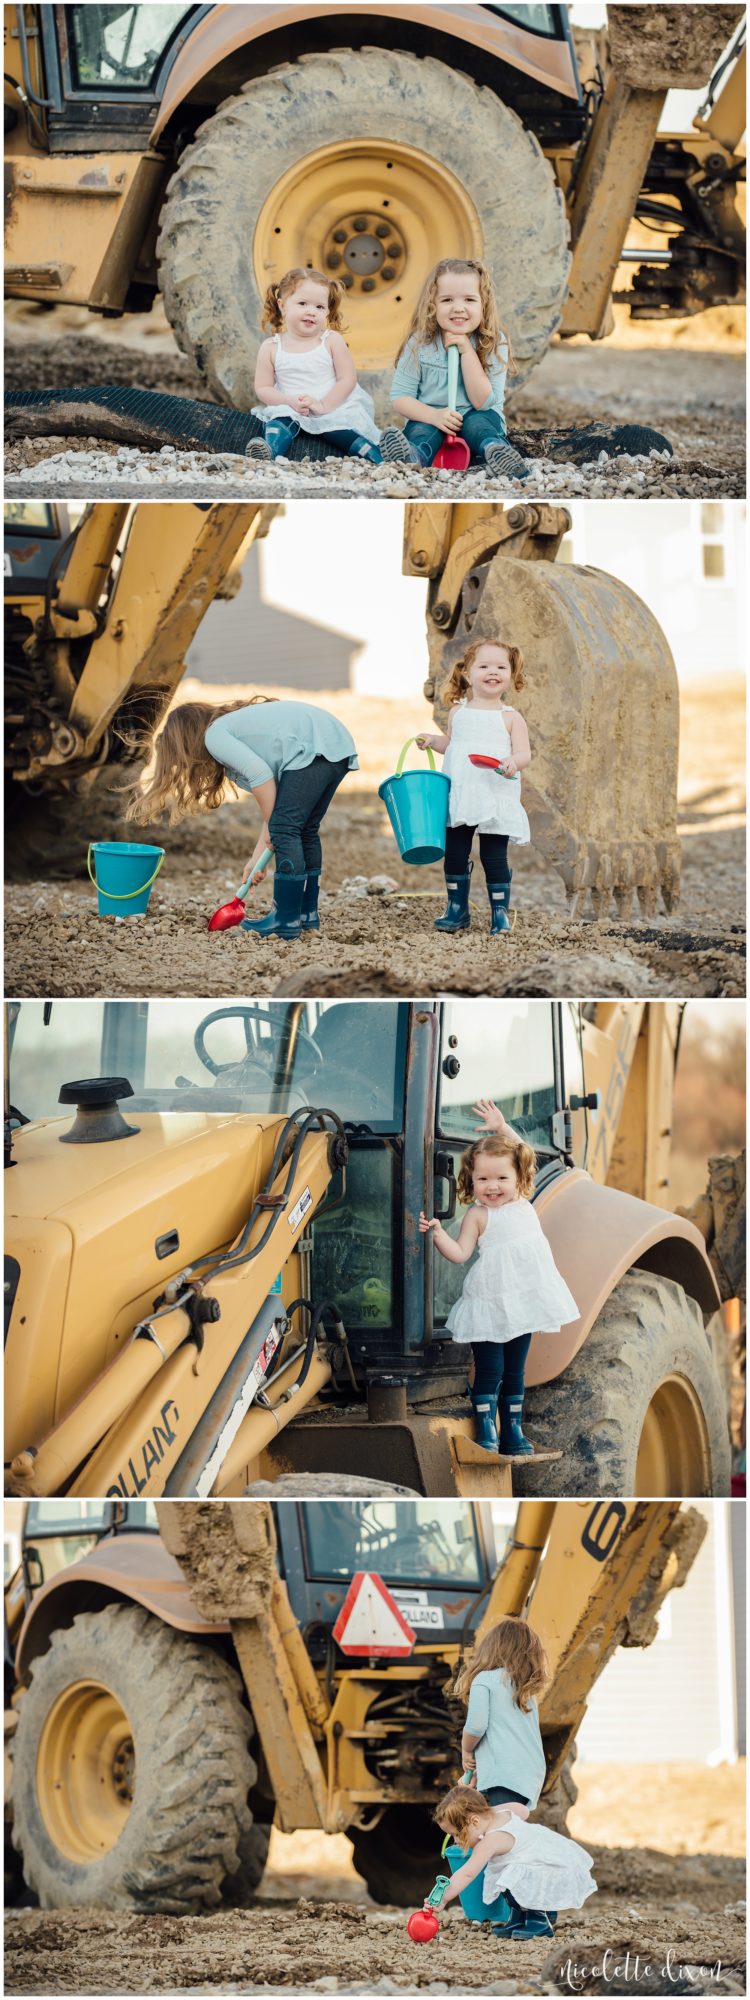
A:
(689, 387)
(384, 943)
(314, 1929)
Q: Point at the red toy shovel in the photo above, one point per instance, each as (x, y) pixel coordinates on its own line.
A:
(454, 454)
(422, 1926)
(233, 913)
(491, 763)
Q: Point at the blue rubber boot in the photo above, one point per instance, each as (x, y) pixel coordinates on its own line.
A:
(536, 1924)
(309, 918)
(499, 895)
(484, 1420)
(512, 1440)
(284, 919)
(457, 917)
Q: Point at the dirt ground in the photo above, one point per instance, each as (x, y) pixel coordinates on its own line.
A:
(675, 1906)
(685, 379)
(381, 944)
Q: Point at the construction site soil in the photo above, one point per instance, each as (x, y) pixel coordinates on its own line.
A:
(687, 382)
(377, 914)
(671, 1920)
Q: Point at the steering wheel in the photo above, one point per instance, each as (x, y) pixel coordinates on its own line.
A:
(265, 1055)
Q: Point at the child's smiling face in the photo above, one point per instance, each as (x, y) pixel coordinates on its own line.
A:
(306, 310)
(494, 1179)
(458, 302)
(490, 674)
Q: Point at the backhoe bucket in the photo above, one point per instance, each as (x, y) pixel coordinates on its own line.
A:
(601, 702)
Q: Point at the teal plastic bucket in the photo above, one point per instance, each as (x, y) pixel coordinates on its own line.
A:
(417, 806)
(470, 1898)
(124, 872)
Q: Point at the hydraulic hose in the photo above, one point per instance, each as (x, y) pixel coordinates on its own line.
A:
(227, 1261)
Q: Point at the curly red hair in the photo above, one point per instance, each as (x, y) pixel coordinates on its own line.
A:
(272, 317)
(457, 686)
(523, 1157)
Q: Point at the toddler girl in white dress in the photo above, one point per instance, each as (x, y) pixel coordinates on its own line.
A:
(305, 376)
(541, 1870)
(512, 1291)
(484, 799)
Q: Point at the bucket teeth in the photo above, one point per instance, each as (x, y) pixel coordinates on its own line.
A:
(647, 898)
(669, 864)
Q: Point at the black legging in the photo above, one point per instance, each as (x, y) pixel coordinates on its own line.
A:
(493, 852)
(302, 800)
(500, 1365)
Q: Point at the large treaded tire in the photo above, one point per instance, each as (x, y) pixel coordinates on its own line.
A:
(189, 1821)
(594, 1412)
(399, 1856)
(205, 247)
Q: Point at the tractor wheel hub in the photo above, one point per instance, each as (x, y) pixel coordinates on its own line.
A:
(362, 251)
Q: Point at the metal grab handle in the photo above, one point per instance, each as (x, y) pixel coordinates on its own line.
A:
(129, 893)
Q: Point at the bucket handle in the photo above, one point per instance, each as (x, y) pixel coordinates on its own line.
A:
(129, 893)
(407, 746)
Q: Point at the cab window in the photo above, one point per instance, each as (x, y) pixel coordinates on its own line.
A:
(121, 48)
(504, 1051)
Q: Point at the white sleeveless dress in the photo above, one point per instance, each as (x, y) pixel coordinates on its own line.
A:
(515, 1286)
(480, 797)
(313, 374)
(543, 1870)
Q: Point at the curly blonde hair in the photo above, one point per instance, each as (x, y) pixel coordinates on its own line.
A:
(515, 1648)
(457, 686)
(461, 1806)
(272, 317)
(185, 778)
(424, 327)
(523, 1157)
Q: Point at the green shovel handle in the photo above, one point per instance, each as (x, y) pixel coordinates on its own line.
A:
(453, 359)
(262, 862)
(407, 746)
(436, 1895)
(129, 893)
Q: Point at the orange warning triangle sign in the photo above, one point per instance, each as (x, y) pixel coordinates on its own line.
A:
(370, 1622)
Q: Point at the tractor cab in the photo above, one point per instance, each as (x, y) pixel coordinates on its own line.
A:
(36, 532)
(436, 1561)
(403, 1079)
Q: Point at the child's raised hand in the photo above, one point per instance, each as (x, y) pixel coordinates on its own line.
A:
(459, 340)
(448, 420)
(492, 1119)
(427, 1223)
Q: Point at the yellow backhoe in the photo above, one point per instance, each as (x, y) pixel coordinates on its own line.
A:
(215, 1277)
(176, 1693)
(203, 151)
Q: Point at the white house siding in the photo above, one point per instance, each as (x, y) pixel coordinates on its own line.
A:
(664, 559)
(677, 1699)
(739, 1585)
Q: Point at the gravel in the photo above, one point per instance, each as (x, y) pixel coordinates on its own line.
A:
(127, 473)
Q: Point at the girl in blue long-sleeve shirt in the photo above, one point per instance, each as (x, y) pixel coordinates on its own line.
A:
(290, 755)
(456, 308)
